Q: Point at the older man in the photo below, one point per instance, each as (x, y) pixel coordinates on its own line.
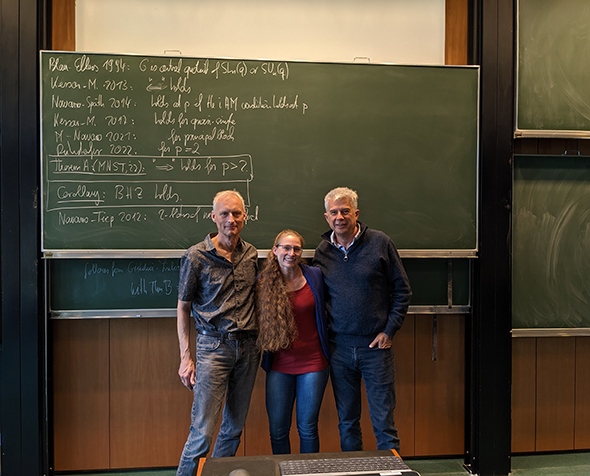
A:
(367, 299)
(217, 277)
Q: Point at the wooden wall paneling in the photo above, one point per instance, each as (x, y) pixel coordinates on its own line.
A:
(557, 146)
(256, 438)
(571, 146)
(551, 146)
(150, 408)
(404, 352)
(328, 425)
(63, 25)
(80, 394)
(584, 147)
(526, 146)
(582, 412)
(555, 393)
(440, 386)
(524, 355)
(456, 31)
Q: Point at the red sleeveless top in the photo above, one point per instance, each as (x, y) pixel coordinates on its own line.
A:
(305, 354)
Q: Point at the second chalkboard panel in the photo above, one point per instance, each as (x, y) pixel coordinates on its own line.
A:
(551, 242)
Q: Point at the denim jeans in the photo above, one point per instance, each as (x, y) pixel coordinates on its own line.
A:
(376, 367)
(282, 391)
(221, 365)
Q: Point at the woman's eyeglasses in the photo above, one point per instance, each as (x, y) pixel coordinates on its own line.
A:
(288, 248)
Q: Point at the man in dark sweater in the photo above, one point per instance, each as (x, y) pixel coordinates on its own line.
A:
(367, 298)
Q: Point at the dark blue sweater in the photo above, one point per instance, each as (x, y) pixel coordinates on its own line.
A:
(367, 289)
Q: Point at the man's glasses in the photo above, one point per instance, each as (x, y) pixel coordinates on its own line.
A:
(288, 248)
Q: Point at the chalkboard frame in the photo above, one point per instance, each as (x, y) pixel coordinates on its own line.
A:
(65, 253)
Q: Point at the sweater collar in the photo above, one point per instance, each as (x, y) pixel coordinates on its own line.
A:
(328, 236)
(342, 247)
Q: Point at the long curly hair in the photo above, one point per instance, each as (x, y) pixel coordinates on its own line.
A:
(276, 325)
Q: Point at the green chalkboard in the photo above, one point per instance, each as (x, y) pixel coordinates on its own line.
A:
(139, 284)
(135, 147)
(551, 242)
(553, 66)
(107, 284)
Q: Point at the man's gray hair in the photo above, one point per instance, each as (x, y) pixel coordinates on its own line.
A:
(223, 193)
(342, 192)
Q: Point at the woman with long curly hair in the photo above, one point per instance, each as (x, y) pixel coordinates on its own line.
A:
(292, 334)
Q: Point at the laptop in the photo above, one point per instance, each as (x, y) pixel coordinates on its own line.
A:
(387, 465)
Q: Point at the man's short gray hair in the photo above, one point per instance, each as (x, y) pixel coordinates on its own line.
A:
(339, 193)
(223, 193)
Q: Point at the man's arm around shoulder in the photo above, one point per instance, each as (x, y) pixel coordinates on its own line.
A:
(186, 371)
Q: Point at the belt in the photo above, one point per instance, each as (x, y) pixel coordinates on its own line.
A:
(236, 335)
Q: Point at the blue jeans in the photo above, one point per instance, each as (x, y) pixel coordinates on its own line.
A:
(221, 365)
(376, 367)
(282, 390)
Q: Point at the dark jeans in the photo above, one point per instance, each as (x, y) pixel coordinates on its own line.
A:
(223, 367)
(376, 367)
(282, 390)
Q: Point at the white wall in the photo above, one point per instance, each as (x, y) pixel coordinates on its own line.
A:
(386, 31)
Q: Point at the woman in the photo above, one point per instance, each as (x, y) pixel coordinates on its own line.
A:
(292, 332)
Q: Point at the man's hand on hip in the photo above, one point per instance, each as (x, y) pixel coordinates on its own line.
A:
(382, 341)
